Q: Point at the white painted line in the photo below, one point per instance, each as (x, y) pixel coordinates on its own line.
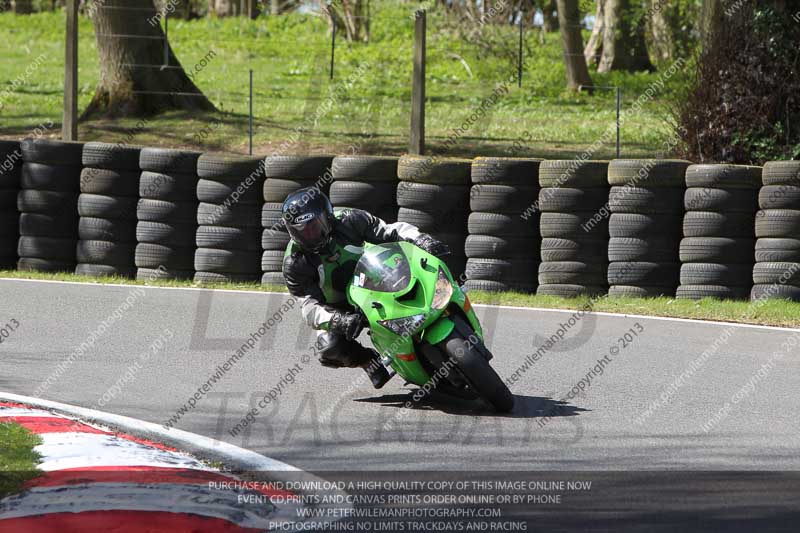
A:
(508, 307)
(19, 411)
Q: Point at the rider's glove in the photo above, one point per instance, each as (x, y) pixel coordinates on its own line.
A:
(347, 324)
(432, 246)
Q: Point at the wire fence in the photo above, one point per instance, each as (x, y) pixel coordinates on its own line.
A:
(299, 72)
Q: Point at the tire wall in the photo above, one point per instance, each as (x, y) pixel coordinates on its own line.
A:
(10, 171)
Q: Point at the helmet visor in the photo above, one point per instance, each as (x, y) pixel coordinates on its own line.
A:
(311, 235)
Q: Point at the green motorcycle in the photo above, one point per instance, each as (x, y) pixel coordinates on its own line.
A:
(423, 324)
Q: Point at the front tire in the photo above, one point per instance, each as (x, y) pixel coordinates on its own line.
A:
(467, 357)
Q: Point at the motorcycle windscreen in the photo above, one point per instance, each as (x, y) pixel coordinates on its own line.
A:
(383, 268)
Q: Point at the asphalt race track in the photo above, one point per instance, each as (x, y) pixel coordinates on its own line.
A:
(332, 420)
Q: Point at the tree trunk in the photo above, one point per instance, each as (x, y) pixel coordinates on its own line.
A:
(572, 44)
(549, 15)
(352, 18)
(23, 7)
(131, 82)
(594, 48)
(711, 17)
(624, 47)
(662, 44)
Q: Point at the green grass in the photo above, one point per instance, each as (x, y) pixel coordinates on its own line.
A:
(766, 312)
(290, 56)
(18, 460)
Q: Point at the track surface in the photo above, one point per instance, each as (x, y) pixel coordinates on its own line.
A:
(597, 430)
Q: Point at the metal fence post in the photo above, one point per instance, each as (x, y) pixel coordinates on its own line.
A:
(166, 38)
(333, 41)
(251, 111)
(69, 126)
(519, 64)
(417, 138)
(619, 105)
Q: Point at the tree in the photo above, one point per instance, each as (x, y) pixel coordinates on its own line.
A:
(572, 44)
(549, 15)
(618, 38)
(130, 46)
(352, 16)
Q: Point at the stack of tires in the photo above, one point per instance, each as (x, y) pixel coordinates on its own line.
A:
(48, 221)
(229, 219)
(776, 273)
(717, 251)
(502, 248)
(646, 205)
(284, 175)
(10, 170)
(107, 206)
(366, 182)
(167, 214)
(574, 228)
(433, 195)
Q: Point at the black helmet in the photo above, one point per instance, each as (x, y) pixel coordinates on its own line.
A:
(308, 217)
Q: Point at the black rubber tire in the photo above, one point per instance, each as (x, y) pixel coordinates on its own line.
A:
(724, 176)
(783, 292)
(226, 238)
(375, 197)
(113, 156)
(272, 261)
(498, 286)
(173, 187)
(573, 173)
(778, 223)
(442, 221)
(465, 352)
(781, 173)
(370, 168)
(10, 179)
(454, 241)
(491, 247)
(774, 272)
(274, 240)
(566, 199)
(96, 270)
(721, 200)
(165, 211)
(432, 197)
(510, 271)
(272, 215)
(150, 255)
(47, 248)
(518, 171)
(39, 225)
(277, 190)
(434, 169)
(218, 192)
(273, 278)
(106, 253)
(710, 224)
(640, 226)
(643, 291)
(238, 216)
(45, 202)
(152, 274)
(227, 261)
(580, 224)
(103, 206)
(50, 177)
(168, 161)
(564, 290)
(645, 200)
(584, 250)
(110, 182)
(656, 249)
(301, 167)
(51, 152)
(169, 234)
(777, 250)
(225, 277)
(502, 225)
(28, 264)
(719, 292)
(648, 172)
(104, 229)
(779, 197)
(572, 273)
(732, 275)
(491, 198)
(230, 167)
(643, 273)
(716, 250)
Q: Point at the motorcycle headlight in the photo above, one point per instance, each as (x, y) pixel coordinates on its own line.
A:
(404, 326)
(444, 291)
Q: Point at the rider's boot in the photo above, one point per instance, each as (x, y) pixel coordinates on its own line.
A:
(376, 371)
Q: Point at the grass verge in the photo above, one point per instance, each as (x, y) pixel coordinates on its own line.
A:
(18, 459)
(766, 312)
